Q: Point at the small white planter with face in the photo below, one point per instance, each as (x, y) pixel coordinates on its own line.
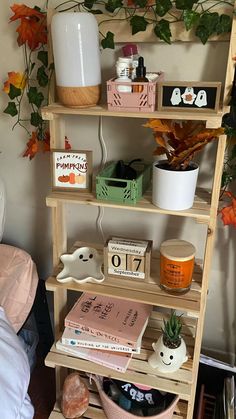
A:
(165, 359)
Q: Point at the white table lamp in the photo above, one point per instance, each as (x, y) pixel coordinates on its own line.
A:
(75, 41)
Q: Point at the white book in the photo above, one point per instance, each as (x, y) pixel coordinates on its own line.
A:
(118, 362)
(74, 337)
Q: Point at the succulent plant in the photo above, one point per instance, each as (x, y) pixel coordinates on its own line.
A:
(171, 331)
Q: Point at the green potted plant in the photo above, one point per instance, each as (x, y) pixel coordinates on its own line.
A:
(170, 349)
(175, 178)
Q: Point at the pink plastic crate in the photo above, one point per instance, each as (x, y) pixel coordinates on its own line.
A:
(144, 101)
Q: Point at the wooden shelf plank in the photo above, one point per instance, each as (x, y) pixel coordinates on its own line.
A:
(199, 211)
(166, 382)
(95, 410)
(145, 292)
(212, 119)
(139, 370)
(190, 302)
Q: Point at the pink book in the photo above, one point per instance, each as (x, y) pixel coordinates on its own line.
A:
(116, 320)
(118, 362)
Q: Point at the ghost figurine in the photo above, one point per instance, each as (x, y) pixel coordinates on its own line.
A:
(84, 265)
(165, 359)
(188, 96)
(176, 96)
(201, 99)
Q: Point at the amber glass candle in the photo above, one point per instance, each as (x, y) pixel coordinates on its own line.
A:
(176, 265)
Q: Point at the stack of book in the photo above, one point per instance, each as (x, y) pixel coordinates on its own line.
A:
(105, 330)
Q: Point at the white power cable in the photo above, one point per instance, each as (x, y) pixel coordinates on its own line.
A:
(102, 164)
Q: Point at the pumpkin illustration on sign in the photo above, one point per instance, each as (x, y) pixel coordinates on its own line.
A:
(71, 168)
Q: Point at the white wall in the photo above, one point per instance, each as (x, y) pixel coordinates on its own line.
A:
(28, 182)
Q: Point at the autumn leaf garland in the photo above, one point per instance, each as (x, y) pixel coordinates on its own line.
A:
(29, 86)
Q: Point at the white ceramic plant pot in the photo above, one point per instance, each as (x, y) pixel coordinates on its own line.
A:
(174, 190)
(165, 359)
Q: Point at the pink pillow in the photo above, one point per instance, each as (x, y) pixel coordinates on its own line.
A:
(18, 283)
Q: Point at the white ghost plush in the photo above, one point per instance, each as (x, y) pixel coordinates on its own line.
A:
(176, 96)
(188, 96)
(201, 99)
(84, 265)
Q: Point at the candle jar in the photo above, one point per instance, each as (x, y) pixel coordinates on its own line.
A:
(176, 265)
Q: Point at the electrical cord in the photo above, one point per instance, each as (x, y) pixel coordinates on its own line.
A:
(102, 164)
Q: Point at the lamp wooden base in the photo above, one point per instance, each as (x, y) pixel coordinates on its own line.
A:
(79, 97)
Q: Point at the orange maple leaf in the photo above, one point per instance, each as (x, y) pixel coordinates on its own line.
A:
(16, 79)
(67, 144)
(21, 10)
(228, 213)
(33, 146)
(32, 28)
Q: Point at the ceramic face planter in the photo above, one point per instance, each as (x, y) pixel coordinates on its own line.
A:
(165, 359)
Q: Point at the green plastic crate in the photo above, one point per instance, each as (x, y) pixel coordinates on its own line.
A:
(110, 188)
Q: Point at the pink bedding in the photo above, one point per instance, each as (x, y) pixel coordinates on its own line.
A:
(18, 283)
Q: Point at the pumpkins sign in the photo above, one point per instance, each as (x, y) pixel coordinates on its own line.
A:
(71, 170)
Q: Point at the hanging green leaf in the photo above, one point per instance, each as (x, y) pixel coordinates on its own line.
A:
(185, 4)
(224, 24)
(43, 57)
(202, 33)
(162, 7)
(191, 18)
(162, 31)
(35, 97)
(11, 109)
(112, 5)
(42, 77)
(207, 26)
(89, 4)
(108, 41)
(35, 119)
(138, 24)
(14, 92)
(210, 21)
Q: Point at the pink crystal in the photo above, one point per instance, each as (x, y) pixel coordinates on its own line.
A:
(75, 397)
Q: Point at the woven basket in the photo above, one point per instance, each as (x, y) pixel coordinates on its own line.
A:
(113, 411)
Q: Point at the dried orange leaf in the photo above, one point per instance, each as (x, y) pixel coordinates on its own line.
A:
(20, 10)
(32, 146)
(33, 32)
(16, 79)
(228, 213)
(160, 140)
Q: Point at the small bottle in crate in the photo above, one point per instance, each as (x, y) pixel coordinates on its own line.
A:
(123, 71)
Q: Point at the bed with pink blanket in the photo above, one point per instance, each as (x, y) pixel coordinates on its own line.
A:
(18, 283)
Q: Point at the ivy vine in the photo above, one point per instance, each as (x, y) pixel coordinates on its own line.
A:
(160, 15)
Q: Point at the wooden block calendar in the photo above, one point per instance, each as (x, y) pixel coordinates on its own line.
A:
(127, 258)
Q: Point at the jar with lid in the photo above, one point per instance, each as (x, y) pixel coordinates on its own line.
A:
(176, 265)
